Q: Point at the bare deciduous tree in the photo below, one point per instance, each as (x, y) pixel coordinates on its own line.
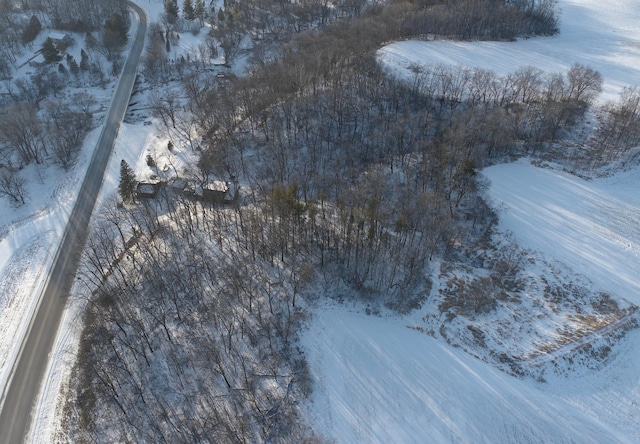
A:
(21, 128)
(13, 186)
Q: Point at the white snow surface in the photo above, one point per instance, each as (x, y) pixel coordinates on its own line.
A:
(592, 226)
(377, 381)
(602, 35)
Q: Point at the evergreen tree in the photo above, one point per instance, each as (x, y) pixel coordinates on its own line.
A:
(90, 41)
(200, 10)
(128, 183)
(188, 11)
(32, 30)
(171, 11)
(84, 60)
(4, 68)
(50, 52)
(115, 31)
(73, 65)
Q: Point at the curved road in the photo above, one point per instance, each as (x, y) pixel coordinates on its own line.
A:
(23, 387)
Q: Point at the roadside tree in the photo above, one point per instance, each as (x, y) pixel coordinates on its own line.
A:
(128, 183)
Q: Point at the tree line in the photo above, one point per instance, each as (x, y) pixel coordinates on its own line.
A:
(324, 120)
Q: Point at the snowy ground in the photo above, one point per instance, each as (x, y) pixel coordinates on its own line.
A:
(602, 35)
(379, 381)
(593, 226)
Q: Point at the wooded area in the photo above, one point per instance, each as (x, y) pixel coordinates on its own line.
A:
(353, 183)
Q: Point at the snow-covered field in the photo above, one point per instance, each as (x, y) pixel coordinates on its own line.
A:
(602, 35)
(592, 226)
(378, 380)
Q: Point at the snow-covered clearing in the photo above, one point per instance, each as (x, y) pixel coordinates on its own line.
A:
(593, 226)
(378, 381)
(602, 35)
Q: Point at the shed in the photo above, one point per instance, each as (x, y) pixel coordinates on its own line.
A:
(37, 61)
(215, 191)
(148, 189)
(182, 186)
(56, 36)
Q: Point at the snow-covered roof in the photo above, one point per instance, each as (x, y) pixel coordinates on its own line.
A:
(217, 185)
(37, 60)
(146, 188)
(54, 35)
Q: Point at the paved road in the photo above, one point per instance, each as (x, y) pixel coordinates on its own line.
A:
(20, 396)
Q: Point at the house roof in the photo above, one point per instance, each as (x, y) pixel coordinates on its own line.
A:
(37, 60)
(56, 35)
(146, 188)
(217, 185)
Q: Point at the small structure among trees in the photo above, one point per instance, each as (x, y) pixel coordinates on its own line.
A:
(215, 192)
(58, 38)
(148, 189)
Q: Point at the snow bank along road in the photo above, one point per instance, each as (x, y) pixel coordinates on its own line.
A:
(20, 394)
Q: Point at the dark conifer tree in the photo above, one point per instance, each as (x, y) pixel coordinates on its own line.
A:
(188, 10)
(171, 11)
(50, 52)
(128, 183)
(32, 30)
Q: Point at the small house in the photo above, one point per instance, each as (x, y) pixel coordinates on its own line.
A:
(147, 189)
(181, 186)
(215, 191)
(37, 61)
(58, 39)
